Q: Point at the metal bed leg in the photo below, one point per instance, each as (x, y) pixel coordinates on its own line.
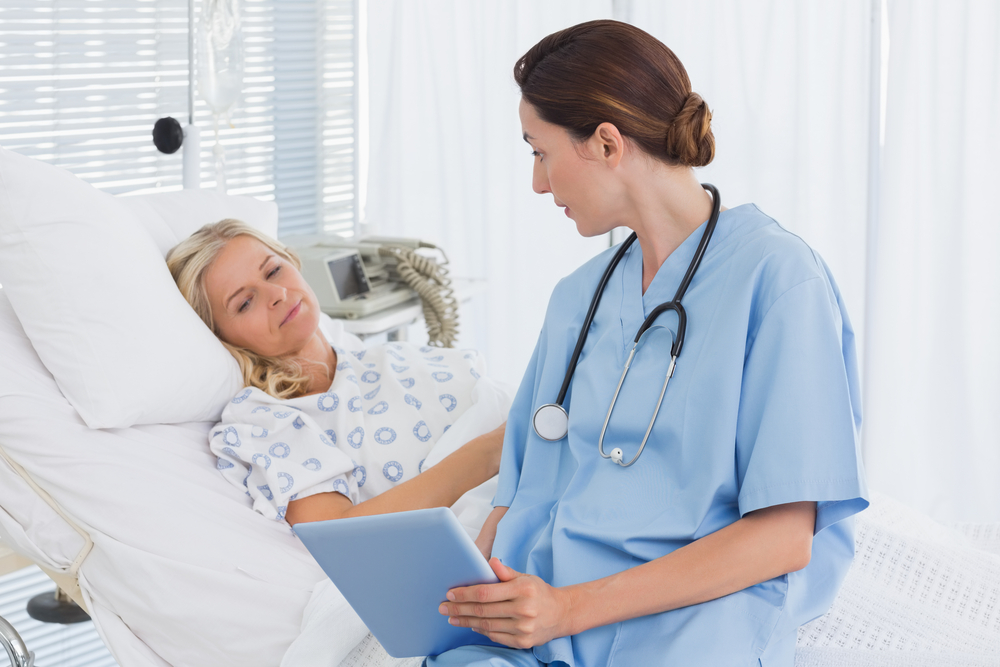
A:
(19, 654)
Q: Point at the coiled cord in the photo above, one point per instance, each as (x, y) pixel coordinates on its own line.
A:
(431, 282)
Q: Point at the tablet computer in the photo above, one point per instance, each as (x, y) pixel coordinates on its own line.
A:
(395, 570)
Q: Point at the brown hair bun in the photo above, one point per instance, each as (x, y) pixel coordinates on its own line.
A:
(689, 137)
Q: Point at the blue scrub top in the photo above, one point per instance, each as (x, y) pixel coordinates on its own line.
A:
(763, 409)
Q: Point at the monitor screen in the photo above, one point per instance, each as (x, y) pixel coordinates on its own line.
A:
(348, 276)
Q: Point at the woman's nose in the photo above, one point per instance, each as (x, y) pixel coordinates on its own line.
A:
(277, 294)
(539, 178)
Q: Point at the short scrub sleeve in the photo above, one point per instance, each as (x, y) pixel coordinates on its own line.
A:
(797, 429)
(278, 454)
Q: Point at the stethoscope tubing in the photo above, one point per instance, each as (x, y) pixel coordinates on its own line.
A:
(582, 337)
(675, 349)
(616, 454)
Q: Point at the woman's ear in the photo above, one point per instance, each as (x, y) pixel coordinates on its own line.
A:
(608, 144)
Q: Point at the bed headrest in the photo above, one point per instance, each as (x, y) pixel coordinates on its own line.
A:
(84, 272)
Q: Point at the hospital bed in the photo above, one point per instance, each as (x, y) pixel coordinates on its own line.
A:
(107, 482)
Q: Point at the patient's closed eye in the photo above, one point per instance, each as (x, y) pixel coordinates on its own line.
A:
(269, 274)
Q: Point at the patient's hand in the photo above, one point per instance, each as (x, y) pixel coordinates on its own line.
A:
(489, 531)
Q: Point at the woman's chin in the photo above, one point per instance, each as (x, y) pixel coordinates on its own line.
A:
(307, 323)
(590, 230)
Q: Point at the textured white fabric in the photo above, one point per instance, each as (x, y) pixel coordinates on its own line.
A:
(932, 391)
(918, 593)
(985, 536)
(369, 653)
(90, 287)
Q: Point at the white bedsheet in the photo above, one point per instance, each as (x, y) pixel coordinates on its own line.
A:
(918, 594)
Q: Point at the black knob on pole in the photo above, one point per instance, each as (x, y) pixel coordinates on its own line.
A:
(168, 135)
(57, 608)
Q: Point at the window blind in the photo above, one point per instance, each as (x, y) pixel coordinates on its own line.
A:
(315, 80)
(83, 81)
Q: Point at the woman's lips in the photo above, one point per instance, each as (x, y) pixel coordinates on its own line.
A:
(291, 314)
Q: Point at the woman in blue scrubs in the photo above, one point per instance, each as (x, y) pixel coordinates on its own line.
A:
(733, 527)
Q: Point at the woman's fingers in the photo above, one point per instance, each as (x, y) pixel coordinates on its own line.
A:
(503, 572)
(521, 611)
(514, 632)
(489, 592)
(506, 609)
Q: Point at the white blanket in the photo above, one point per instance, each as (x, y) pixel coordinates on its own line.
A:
(918, 593)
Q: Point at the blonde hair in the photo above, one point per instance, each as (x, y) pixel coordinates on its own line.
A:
(188, 263)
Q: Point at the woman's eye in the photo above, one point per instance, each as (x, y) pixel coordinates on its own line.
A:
(274, 271)
(535, 154)
(243, 306)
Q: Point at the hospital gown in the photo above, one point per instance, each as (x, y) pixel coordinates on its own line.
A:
(370, 431)
(763, 409)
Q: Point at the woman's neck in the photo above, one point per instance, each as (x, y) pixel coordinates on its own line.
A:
(667, 205)
(319, 362)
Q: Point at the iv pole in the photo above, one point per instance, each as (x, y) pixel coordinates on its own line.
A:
(169, 135)
(192, 137)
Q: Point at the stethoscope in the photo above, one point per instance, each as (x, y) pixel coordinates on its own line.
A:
(551, 421)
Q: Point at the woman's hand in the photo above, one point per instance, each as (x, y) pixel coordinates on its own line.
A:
(521, 611)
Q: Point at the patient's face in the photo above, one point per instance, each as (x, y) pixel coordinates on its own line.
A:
(259, 300)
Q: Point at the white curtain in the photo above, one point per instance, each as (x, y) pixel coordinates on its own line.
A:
(788, 82)
(933, 405)
(448, 164)
(788, 85)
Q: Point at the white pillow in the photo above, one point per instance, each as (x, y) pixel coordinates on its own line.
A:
(85, 274)
(171, 217)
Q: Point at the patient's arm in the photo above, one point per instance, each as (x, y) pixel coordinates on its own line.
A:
(440, 486)
(489, 531)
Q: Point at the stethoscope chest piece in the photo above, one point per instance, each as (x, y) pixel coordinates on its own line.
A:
(551, 422)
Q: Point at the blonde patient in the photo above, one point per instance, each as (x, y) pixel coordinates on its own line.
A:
(309, 438)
